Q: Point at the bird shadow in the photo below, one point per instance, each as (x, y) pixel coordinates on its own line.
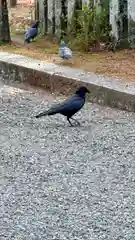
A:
(69, 127)
(61, 125)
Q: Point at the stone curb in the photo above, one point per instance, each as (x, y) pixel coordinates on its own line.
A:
(61, 79)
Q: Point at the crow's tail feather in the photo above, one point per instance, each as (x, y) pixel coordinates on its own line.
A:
(27, 40)
(41, 115)
(49, 112)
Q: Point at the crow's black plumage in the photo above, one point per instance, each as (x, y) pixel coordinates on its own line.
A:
(69, 107)
(31, 32)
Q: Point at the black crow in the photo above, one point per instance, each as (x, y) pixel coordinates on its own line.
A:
(31, 32)
(69, 107)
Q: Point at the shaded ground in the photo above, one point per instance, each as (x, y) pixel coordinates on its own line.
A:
(120, 64)
(58, 182)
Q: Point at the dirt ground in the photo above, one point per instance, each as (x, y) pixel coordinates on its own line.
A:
(118, 65)
(20, 17)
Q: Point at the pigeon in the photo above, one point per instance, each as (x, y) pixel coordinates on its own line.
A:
(64, 51)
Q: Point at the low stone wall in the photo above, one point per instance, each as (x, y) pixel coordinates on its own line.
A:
(59, 79)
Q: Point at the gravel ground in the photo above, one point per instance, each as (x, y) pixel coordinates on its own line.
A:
(59, 182)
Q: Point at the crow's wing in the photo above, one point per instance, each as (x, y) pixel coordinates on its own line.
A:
(31, 32)
(72, 104)
(67, 108)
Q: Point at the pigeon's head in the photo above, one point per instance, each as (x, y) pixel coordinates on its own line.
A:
(82, 91)
(62, 44)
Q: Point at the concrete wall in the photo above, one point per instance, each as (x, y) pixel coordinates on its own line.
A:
(56, 79)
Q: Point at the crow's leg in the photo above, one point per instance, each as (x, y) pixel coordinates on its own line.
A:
(27, 40)
(76, 121)
(69, 122)
(33, 39)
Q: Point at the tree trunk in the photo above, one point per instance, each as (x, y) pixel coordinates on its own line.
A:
(4, 23)
(12, 3)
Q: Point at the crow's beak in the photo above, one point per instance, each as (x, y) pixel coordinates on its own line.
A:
(88, 91)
